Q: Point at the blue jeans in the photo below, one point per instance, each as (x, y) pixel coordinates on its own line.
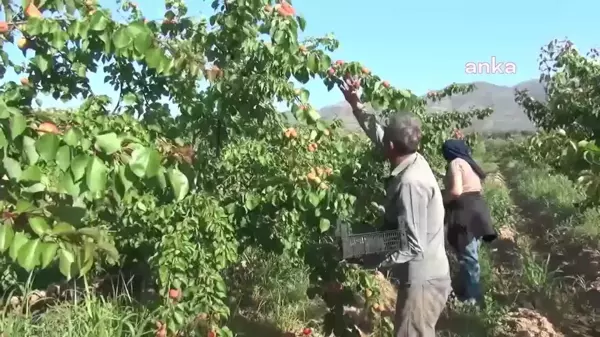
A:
(470, 272)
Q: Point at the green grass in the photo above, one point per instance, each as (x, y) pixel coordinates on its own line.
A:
(499, 201)
(552, 189)
(94, 318)
(272, 289)
(556, 229)
(560, 196)
(587, 226)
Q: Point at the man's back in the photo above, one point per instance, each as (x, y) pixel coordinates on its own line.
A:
(425, 195)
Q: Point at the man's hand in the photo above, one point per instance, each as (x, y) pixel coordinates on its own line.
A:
(349, 86)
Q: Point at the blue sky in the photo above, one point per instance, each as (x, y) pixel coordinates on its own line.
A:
(424, 45)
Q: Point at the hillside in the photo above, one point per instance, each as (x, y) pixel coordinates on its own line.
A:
(507, 115)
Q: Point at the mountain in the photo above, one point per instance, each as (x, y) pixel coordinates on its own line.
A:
(507, 116)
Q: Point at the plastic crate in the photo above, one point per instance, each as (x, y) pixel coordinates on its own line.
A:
(359, 245)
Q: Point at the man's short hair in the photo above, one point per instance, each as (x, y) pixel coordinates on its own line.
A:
(404, 131)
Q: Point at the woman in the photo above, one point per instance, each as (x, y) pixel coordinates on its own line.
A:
(467, 216)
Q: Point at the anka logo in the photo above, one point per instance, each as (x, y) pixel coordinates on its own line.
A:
(492, 67)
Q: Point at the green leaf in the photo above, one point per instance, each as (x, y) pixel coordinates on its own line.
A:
(93, 233)
(109, 143)
(143, 42)
(251, 201)
(180, 184)
(42, 62)
(32, 174)
(72, 136)
(95, 175)
(24, 206)
(153, 167)
(279, 36)
(110, 250)
(3, 110)
(6, 237)
(145, 162)
(78, 166)
(121, 38)
(405, 93)
(46, 146)
(313, 63)
(313, 115)
(29, 150)
(301, 22)
(304, 96)
(63, 157)
(66, 263)
(3, 140)
(70, 214)
(123, 176)
(29, 255)
(130, 98)
(63, 228)
(324, 63)
(154, 57)
(139, 161)
(47, 253)
(12, 167)
(142, 36)
(85, 259)
(70, 6)
(314, 199)
(18, 124)
(39, 225)
(98, 21)
(324, 225)
(35, 188)
(66, 185)
(18, 241)
(59, 39)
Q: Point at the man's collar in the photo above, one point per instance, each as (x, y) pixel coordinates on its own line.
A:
(404, 164)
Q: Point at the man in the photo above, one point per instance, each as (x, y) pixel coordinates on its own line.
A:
(415, 207)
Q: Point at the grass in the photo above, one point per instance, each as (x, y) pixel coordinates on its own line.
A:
(272, 289)
(95, 317)
(558, 195)
(587, 226)
(536, 274)
(555, 232)
(554, 190)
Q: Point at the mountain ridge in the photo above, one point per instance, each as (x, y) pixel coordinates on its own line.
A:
(507, 116)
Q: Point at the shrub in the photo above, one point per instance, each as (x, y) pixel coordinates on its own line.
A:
(499, 201)
(553, 190)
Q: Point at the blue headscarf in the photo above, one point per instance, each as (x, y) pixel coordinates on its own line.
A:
(457, 148)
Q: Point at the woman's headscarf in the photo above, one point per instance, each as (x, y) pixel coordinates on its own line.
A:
(457, 148)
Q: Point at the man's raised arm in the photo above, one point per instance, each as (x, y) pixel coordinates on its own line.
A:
(367, 121)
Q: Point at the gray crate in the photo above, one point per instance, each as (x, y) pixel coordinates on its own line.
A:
(359, 245)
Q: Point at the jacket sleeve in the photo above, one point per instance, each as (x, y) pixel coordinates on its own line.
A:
(413, 200)
(370, 126)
